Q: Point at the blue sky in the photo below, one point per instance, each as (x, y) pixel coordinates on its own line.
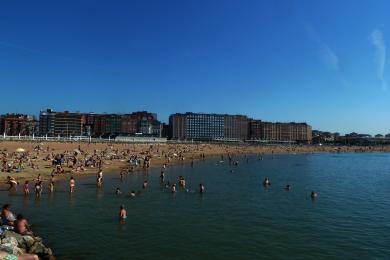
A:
(323, 62)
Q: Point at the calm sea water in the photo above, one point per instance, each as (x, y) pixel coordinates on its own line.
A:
(236, 217)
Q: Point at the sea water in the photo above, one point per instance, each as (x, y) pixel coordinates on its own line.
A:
(235, 218)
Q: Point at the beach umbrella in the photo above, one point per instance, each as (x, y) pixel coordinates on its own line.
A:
(20, 150)
(77, 151)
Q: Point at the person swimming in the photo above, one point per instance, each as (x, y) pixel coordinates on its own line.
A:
(162, 176)
(173, 189)
(201, 188)
(288, 187)
(118, 191)
(122, 213)
(145, 185)
(266, 182)
(313, 195)
(132, 193)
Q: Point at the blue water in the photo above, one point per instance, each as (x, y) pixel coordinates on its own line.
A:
(236, 218)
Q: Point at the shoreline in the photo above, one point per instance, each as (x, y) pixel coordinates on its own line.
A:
(159, 154)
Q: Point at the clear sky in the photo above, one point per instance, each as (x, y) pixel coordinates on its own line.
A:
(323, 62)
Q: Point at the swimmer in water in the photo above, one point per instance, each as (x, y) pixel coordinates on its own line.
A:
(132, 193)
(118, 191)
(313, 195)
(122, 213)
(145, 185)
(173, 189)
(266, 182)
(201, 188)
(288, 187)
(162, 176)
(72, 184)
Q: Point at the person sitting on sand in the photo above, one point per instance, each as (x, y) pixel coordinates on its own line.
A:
(7, 217)
(122, 213)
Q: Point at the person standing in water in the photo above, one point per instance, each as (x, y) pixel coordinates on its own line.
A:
(72, 184)
(99, 178)
(122, 213)
(38, 188)
(51, 186)
(26, 188)
(162, 176)
(145, 185)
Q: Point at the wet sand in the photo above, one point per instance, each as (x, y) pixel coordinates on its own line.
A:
(115, 155)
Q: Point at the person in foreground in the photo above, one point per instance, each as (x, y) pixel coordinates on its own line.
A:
(7, 256)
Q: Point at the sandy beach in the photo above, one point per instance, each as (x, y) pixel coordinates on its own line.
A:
(78, 159)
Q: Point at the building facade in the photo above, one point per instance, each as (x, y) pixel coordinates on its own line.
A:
(18, 124)
(236, 127)
(285, 132)
(201, 126)
(69, 124)
(46, 122)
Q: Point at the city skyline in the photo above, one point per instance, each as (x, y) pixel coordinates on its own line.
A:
(280, 61)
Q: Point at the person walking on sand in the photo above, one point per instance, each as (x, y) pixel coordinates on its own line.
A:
(72, 184)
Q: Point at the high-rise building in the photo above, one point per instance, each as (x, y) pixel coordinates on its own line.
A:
(236, 127)
(290, 132)
(69, 124)
(46, 122)
(201, 126)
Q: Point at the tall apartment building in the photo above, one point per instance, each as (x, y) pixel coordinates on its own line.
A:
(236, 127)
(69, 124)
(200, 126)
(292, 132)
(46, 122)
(18, 124)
